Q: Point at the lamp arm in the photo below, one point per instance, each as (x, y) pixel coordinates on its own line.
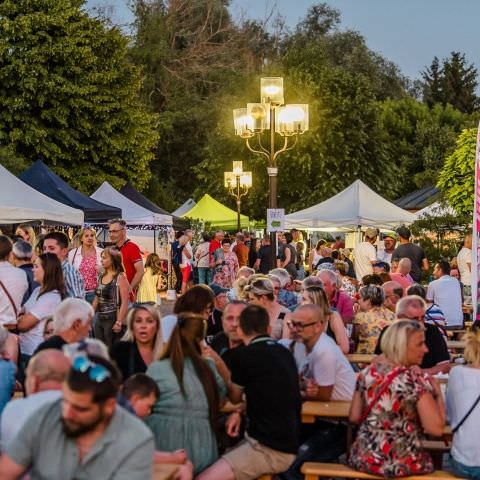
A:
(260, 152)
(285, 147)
(244, 192)
(266, 150)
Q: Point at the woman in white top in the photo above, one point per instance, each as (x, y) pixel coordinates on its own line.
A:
(315, 256)
(87, 259)
(47, 271)
(463, 390)
(186, 265)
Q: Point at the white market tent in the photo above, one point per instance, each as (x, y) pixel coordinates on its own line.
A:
(356, 206)
(21, 203)
(435, 210)
(185, 207)
(132, 213)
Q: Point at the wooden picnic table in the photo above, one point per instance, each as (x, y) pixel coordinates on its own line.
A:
(313, 409)
(456, 344)
(164, 471)
(360, 358)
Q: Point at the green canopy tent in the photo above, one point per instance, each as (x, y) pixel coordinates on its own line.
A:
(216, 214)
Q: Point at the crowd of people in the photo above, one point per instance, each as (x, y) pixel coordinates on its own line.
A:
(96, 383)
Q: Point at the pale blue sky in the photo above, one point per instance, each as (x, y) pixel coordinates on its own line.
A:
(407, 32)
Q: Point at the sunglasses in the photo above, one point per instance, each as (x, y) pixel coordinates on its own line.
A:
(97, 373)
(299, 325)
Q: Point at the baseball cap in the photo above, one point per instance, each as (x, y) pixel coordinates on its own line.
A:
(217, 289)
(371, 232)
(392, 235)
(403, 232)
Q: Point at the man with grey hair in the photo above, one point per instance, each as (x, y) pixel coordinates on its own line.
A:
(339, 300)
(22, 258)
(393, 293)
(72, 321)
(437, 359)
(45, 374)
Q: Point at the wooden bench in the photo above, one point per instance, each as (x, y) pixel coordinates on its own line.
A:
(315, 471)
(312, 410)
(455, 344)
(360, 358)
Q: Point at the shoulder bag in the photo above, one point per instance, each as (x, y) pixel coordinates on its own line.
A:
(462, 421)
(10, 299)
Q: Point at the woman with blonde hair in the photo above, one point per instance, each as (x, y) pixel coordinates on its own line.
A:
(143, 338)
(463, 407)
(394, 404)
(190, 387)
(260, 292)
(87, 259)
(150, 284)
(111, 297)
(27, 233)
(334, 326)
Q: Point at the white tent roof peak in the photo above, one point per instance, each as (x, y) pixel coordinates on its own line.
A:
(357, 205)
(132, 213)
(21, 203)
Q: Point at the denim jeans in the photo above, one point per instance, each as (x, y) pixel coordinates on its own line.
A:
(325, 442)
(204, 275)
(464, 470)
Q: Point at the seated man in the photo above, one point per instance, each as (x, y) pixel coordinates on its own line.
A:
(326, 375)
(437, 359)
(339, 300)
(393, 293)
(85, 432)
(402, 275)
(45, 374)
(266, 373)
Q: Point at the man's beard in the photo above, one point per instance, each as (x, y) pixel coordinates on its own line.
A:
(73, 429)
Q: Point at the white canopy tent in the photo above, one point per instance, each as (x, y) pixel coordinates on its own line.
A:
(185, 207)
(132, 213)
(355, 207)
(21, 203)
(435, 210)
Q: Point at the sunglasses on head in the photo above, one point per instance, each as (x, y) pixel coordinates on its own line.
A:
(96, 372)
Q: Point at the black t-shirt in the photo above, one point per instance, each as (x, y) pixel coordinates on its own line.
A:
(415, 254)
(55, 341)
(128, 359)
(437, 348)
(267, 372)
(214, 324)
(221, 345)
(265, 256)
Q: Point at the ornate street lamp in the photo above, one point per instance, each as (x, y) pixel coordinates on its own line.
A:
(271, 115)
(238, 183)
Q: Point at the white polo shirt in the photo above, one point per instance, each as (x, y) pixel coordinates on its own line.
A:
(364, 255)
(15, 281)
(445, 292)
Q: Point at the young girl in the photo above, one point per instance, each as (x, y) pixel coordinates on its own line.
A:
(150, 284)
(111, 297)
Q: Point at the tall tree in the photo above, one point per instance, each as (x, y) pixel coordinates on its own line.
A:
(432, 83)
(69, 96)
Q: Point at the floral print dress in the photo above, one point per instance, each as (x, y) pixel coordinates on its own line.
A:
(370, 324)
(388, 442)
(225, 274)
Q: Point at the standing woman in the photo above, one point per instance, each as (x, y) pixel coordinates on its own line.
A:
(111, 297)
(394, 404)
(135, 352)
(27, 233)
(87, 258)
(150, 283)
(226, 265)
(315, 255)
(463, 406)
(202, 260)
(47, 271)
(190, 387)
(253, 251)
(186, 264)
(288, 255)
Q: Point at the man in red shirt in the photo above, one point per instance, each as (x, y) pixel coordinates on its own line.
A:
(215, 242)
(131, 256)
(241, 250)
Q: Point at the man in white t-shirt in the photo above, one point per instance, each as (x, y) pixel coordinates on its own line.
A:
(14, 281)
(45, 374)
(446, 293)
(464, 261)
(365, 254)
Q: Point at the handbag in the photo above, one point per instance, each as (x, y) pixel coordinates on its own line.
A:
(462, 421)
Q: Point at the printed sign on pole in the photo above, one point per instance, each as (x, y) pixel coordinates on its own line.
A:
(275, 220)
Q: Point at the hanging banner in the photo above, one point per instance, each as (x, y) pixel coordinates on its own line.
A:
(476, 233)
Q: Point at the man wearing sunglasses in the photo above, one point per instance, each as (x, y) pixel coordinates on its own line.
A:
(84, 435)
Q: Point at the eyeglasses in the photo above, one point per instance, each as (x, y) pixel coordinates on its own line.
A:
(115, 231)
(299, 325)
(97, 373)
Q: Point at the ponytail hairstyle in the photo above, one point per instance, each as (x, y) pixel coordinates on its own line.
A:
(184, 342)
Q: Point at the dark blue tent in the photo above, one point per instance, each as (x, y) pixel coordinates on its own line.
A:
(44, 180)
(129, 191)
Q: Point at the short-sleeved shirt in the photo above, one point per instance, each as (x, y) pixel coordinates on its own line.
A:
(370, 325)
(16, 283)
(267, 372)
(265, 256)
(130, 256)
(74, 284)
(327, 365)
(364, 254)
(415, 253)
(125, 450)
(447, 294)
(41, 307)
(241, 251)
(465, 256)
(343, 304)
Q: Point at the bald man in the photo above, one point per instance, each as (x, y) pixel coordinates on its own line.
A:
(45, 374)
(393, 293)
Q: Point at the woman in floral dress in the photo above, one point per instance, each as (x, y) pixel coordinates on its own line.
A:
(226, 265)
(372, 318)
(395, 403)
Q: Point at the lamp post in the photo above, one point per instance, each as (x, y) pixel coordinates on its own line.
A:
(271, 115)
(238, 183)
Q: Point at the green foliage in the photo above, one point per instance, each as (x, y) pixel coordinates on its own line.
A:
(69, 96)
(453, 83)
(456, 179)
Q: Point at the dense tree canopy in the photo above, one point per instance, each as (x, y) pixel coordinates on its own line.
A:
(69, 96)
